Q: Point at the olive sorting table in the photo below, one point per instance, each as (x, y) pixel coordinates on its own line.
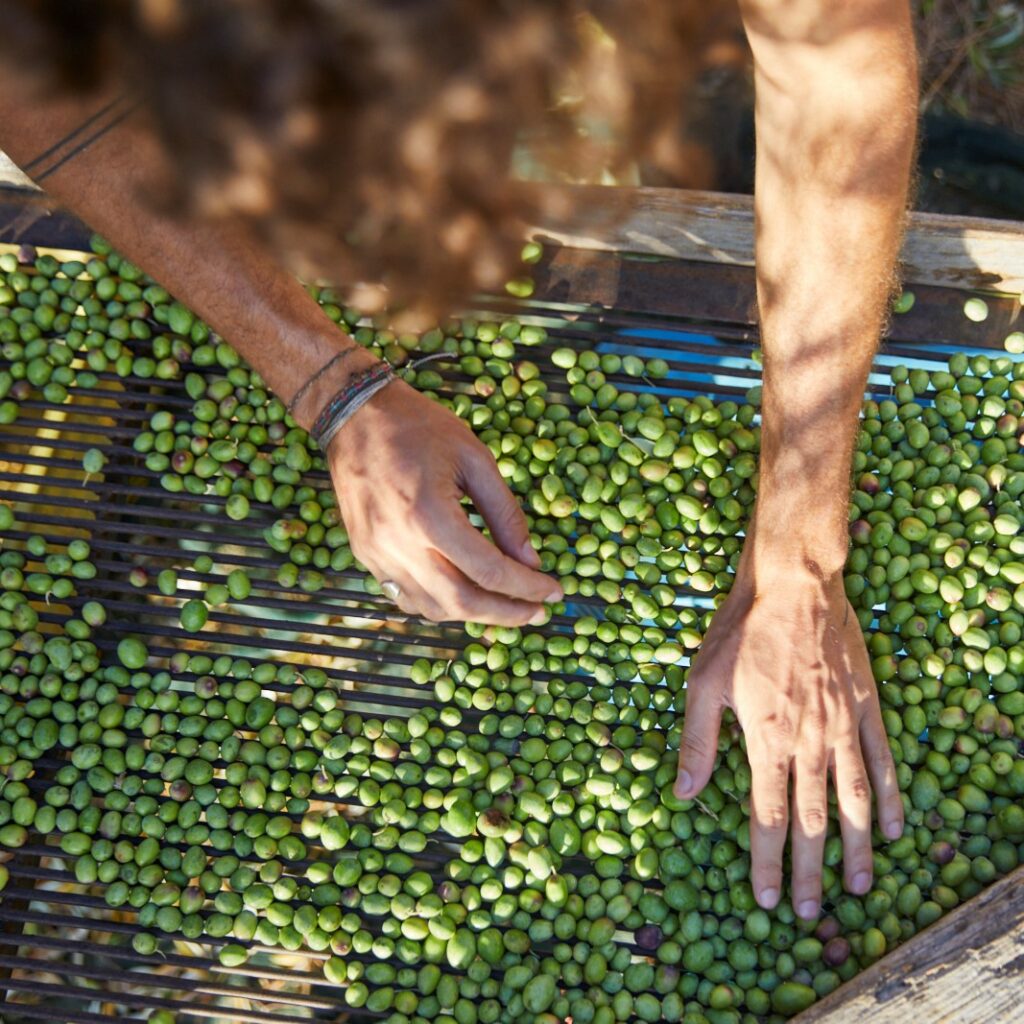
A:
(671, 278)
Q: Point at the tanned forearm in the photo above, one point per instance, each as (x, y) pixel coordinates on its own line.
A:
(835, 127)
(218, 268)
(836, 108)
(404, 461)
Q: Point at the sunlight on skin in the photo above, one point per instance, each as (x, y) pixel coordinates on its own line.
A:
(836, 107)
(406, 520)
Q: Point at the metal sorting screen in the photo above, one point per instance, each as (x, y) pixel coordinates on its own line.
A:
(65, 955)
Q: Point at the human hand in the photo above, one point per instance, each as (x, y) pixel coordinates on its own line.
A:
(401, 465)
(789, 658)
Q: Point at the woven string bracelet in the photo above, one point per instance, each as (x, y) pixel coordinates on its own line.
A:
(344, 354)
(337, 408)
(352, 407)
(355, 394)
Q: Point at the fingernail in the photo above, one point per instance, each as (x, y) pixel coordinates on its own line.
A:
(893, 829)
(530, 554)
(768, 898)
(555, 595)
(861, 882)
(683, 784)
(539, 618)
(808, 909)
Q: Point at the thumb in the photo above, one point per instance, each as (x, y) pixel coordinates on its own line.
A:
(499, 508)
(698, 746)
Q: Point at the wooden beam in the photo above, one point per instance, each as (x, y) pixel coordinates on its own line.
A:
(967, 968)
(957, 252)
(717, 227)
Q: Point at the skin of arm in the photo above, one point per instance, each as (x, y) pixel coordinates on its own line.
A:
(403, 462)
(836, 107)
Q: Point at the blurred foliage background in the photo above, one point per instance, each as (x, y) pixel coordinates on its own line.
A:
(972, 106)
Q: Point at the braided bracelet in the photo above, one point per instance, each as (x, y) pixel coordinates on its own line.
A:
(339, 408)
(358, 390)
(353, 407)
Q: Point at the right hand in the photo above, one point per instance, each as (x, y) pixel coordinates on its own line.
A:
(401, 466)
(788, 657)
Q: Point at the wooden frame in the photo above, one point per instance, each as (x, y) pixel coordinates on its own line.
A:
(716, 227)
(967, 968)
(954, 252)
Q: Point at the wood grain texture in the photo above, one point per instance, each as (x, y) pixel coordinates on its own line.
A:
(967, 968)
(722, 295)
(958, 252)
(716, 227)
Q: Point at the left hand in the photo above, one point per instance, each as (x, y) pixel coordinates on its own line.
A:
(402, 465)
(788, 657)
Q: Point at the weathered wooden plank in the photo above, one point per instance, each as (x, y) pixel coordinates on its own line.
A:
(967, 968)
(958, 252)
(718, 294)
(724, 295)
(716, 227)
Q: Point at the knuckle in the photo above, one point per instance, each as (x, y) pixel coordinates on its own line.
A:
(813, 764)
(813, 820)
(815, 721)
(694, 746)
(858, 788)
(778, 731)
(489, 575)
(773, 817)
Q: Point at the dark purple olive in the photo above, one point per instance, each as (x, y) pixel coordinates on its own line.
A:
(985, 719)
(649, 937)
(836, 951)
(180, 790)
(448, 891)
(828, 928)
(206, 687)
(868, 483)
(503, 804)
(860, 531)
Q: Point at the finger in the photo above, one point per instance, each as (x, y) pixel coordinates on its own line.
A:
(810, 820)
(462, 600)
(769, 812)
(414, 599)
(698, 745)
(853, 794)
(882, 772)
(411, 599)
(500, 510)
(475, 556)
